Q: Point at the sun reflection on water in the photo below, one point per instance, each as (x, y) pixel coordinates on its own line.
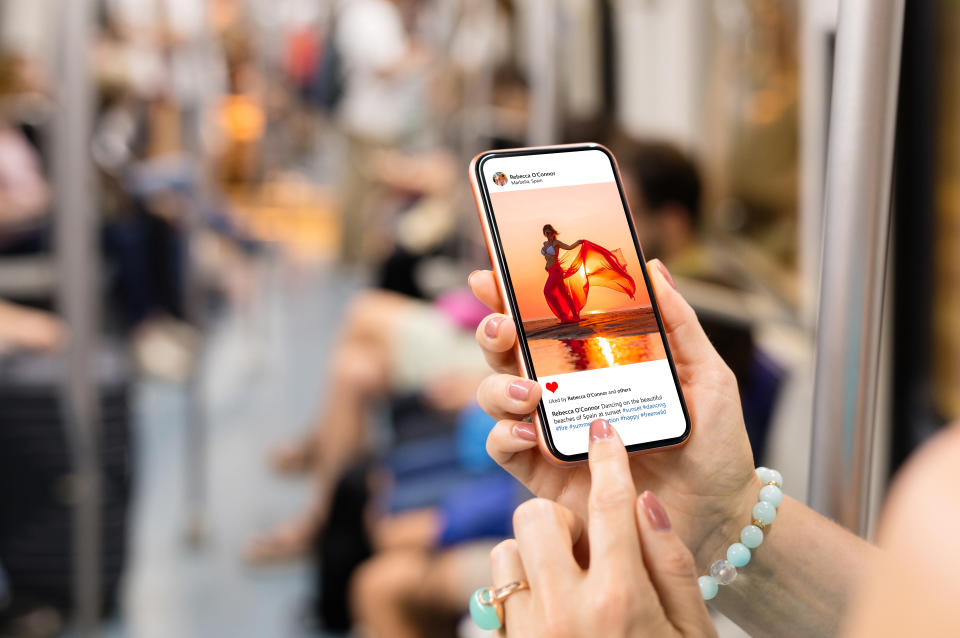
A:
(553, 356)
(606, 350)
(600, 340)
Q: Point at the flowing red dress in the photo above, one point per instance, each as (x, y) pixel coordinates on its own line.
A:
(570, 278)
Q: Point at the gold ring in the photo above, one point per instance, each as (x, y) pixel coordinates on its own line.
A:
(502, 593)
(496, 595)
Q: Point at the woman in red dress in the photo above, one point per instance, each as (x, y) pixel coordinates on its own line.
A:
(570, 275)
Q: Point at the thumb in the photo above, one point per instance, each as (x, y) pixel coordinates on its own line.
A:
(688, 342)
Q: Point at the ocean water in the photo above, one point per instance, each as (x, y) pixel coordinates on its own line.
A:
(602, 340)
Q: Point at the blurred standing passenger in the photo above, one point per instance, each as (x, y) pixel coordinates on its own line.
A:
(382, 93)
(24, 208)
(241, 111)
(24, 193)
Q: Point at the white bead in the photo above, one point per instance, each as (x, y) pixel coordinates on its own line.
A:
(723, 571)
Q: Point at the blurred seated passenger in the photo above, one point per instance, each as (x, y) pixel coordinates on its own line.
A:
(664, 188)
(412, 592)
(390, 345)
(416, 582)
(416, 244)
(399, 574)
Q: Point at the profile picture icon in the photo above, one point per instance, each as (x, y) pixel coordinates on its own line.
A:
(500, 179)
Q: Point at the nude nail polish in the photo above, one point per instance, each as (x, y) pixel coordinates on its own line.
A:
(655, 513)
(520, 389)
(492, 327)
(666, 274)
(600, 429)
(524, 431)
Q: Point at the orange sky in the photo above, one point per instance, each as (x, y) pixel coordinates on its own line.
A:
(585, 211)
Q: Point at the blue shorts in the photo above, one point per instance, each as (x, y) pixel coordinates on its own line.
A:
(482, 508)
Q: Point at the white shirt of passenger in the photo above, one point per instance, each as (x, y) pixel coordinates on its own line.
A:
(373, 44)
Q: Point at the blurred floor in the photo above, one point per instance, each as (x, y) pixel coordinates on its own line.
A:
(263, 368)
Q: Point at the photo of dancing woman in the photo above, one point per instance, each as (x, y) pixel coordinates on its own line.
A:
(569, 276)
(590, 309)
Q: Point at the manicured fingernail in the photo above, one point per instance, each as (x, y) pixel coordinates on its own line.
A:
(665, 273)
(600, 429)
(655, 513)
(520, 389)
(524, 431)
(492, 326)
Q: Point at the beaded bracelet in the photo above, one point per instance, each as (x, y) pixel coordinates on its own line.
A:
(723, 572)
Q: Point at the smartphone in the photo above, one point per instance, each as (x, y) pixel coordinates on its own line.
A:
(571, 271)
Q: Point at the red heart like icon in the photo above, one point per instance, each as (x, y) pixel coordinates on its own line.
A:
(552, 386)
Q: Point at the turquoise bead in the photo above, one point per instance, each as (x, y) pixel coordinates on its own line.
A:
(708, 587)
(738, 554)
(769, 476)
(764, 512)
(751, 536)
(771, 494)
(485, 615)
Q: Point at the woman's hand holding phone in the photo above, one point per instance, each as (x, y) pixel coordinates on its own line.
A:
(706, 485)
(630, 577)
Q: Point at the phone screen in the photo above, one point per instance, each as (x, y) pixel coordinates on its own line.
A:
(590, 333)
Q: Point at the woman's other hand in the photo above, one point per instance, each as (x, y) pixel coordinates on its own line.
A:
(631, 575)
(706, 485)
(912, 588)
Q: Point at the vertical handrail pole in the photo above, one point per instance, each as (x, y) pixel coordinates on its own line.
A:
(818, 26)
(543, 125)
(76, 244)
(856, 227)
(196, 435)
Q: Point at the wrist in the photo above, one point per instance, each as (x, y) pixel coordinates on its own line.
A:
(731, 516)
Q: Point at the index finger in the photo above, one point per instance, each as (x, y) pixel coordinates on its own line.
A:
(484, 287)
(614, 540)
